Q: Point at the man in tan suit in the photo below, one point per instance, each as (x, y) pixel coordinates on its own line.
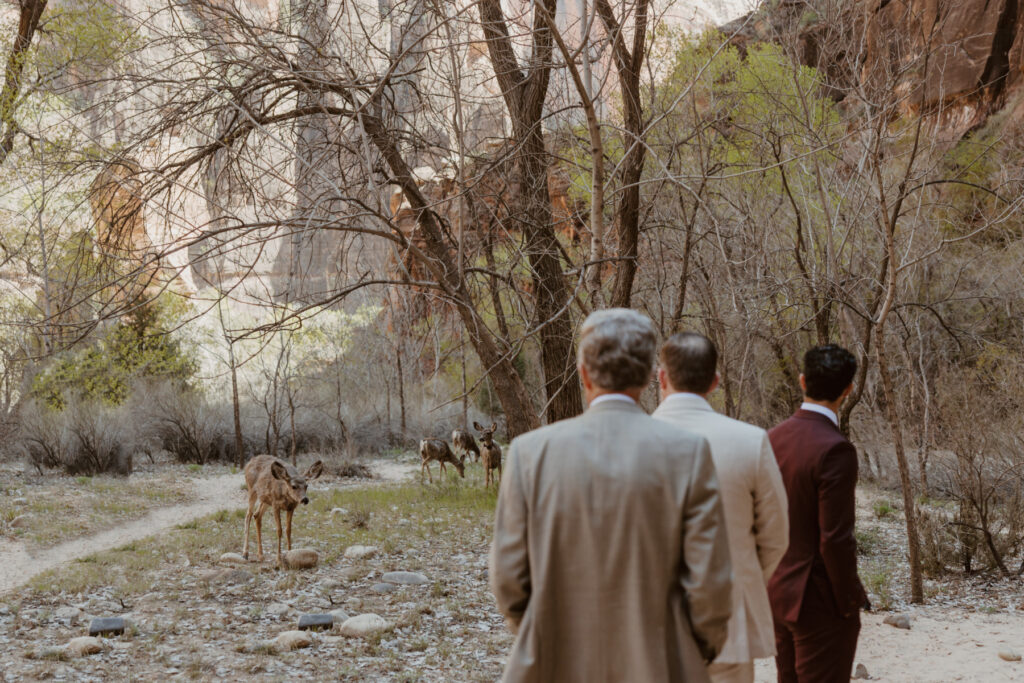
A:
(610, 558)
(753, 497)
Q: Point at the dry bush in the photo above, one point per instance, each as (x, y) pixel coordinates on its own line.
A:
(95, 440)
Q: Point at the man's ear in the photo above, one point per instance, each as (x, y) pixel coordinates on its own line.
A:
(803, 384)
(846, 392)
(585, 377)
(715, 383)
(663, 380)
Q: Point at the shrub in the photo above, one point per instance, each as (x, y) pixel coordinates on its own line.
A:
(883, 509)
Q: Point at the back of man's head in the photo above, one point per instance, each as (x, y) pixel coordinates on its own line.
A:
(689, 359)
(617, 348)
(828, 370)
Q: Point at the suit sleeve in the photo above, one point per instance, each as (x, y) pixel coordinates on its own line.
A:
(706, 569)
(509, 559)
(836, 515)
(771, 513)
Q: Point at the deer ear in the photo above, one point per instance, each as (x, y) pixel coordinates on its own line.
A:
(494, 427)
(315, 470)
(477, 427)
(278, 471)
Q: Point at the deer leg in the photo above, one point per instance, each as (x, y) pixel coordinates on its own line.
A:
(248, 521)
(258, 516)
(288, 527)
(441, 469)
(277, 521)
(497, 480)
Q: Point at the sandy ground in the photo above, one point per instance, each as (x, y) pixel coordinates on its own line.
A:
(942, 645)
(221, 492)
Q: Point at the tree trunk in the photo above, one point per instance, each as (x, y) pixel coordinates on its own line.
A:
(236, 409)
(909, 508)
(28, 21)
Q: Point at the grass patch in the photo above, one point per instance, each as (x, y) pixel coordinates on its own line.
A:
(883, 509)
(868, 541)
(879, 583)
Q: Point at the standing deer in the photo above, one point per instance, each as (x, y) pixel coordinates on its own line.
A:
(437, 449)
(464, 443)
(490, 452)
(276, 484)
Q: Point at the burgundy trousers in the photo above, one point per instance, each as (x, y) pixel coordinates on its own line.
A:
(820, 646)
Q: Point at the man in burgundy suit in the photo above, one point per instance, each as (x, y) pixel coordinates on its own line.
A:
(815, 593)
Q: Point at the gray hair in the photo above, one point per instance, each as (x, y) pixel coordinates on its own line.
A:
(617, 347)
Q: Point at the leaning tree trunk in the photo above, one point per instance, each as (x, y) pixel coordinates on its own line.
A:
(909, 508)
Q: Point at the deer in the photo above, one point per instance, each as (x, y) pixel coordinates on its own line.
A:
(464, 443)
(490, 452)
(273, 483)
(438, 449)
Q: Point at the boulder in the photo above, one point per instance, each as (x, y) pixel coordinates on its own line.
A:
(316, 622)
(232, 558)
(860, 673)
(67, 614)
(300, 558)
(360, 552)
(1009, 655)
(383, 587)
(292, 640)
(107, 626)
(21, 521)
(365, 625)
(277, 609)
(406, 578)
(898, 621)
(83, 646)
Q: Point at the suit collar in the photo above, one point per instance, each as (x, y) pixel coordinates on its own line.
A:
(802, 414)
(684, 400)
(614, 407)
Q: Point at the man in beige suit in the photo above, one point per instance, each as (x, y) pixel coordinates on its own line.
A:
(610, 558)
(753, 497)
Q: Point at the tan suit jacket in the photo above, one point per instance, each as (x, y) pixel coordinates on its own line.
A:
(610, 557)
(754, 499)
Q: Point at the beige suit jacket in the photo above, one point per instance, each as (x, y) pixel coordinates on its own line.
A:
(754, 500)
(610, 557)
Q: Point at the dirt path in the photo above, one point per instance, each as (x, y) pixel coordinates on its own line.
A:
(221, 492)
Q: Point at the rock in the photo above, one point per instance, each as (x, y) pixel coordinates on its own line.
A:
(49, 652)
(277, 609)
(339, 511)
(365, 625)
(300, 558)
(292, 640)
(21, 521)
(69, 614)
(898, 621)
(233, 576)
(340, 616)
(360, 552)
(316, 622)
(354, 573)
(1009, 655)
(232, 558)
(407, 578)
(20, 501)
(83, 646)
(107, 626)
(860, 673)
(383, 587)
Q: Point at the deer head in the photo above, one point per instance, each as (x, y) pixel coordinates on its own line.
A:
(486, 434)
(297, 484)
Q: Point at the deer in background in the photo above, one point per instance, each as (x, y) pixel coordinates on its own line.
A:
(490, 452)
(275, 484)
(464, 444)
(437, 449)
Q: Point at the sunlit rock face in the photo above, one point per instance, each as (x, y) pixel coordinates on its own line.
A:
(959, 61)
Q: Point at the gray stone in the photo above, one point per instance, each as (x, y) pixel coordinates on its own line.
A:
(408, 578)
(339, 511)
(316, 622)
(277, 609)
(1009, 655)
(83, 646)
(360, 552)
(384, 587)
(860, 673)
(20, 501)
(898, 621)
(68, 614)
(21, 521)
(340, 616)
(107, 626)
(50, 652)
(300, 558)
(232, 558)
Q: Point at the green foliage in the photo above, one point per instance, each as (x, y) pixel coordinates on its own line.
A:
(136, 348)
(883, 509)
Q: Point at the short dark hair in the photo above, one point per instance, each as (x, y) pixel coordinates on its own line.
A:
(828, 370)
(690, 359)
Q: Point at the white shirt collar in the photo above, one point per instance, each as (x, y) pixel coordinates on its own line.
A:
(611, 397)
(695, 400)
(821, 410)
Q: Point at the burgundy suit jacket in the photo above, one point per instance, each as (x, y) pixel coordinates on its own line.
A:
(819, 470)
